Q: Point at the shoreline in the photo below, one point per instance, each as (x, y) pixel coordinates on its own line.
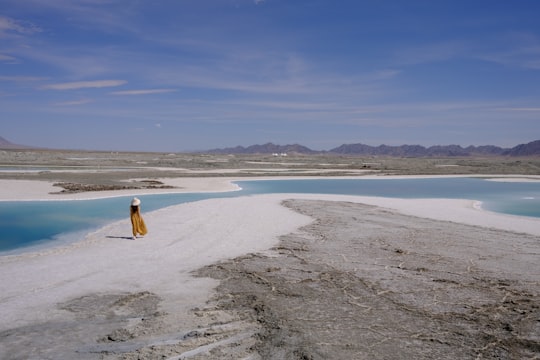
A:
(40, 190)
(110, 295)
(466, 211)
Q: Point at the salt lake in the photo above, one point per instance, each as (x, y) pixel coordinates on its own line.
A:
(26, 225)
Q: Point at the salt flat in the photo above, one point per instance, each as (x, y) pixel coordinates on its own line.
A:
(271, 276)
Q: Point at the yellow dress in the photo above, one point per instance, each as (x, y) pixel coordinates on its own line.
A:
(137, 223)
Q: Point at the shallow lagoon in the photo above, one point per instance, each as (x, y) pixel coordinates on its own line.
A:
(40, 223)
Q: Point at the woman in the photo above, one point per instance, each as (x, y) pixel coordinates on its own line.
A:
(137, 223)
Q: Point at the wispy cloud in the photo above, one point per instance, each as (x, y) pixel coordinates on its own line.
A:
(85, 84)
(143, 92)
(514, 49)
(520, 109)
(13, 26)
(427, 53)
(282, 105)
(109, 15)
(22, 78)
(74, 102)
(7, 58)
(519, 50)
(203, 63)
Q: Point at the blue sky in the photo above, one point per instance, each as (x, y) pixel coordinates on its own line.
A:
(182, 75)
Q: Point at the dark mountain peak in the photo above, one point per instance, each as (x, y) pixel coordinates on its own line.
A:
(4, 141)
(268, 148)
(436, 150)
(529, 149)
(7, 145)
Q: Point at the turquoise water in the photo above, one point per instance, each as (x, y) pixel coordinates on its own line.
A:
(44, 223)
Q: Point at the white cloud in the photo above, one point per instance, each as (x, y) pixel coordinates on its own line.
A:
(257, 2)
(143, 92)
(85, 84)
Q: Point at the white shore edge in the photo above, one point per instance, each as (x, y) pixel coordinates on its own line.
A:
(181, 238)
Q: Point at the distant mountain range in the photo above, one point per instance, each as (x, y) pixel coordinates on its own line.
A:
(529, 149)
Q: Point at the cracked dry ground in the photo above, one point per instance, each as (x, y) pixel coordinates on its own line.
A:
(365, 283)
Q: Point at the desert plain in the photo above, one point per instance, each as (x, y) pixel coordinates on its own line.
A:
(278, 276)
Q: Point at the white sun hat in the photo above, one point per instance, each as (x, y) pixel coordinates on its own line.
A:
(135, 202)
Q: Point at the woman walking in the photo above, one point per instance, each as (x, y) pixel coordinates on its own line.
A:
(137, 223)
